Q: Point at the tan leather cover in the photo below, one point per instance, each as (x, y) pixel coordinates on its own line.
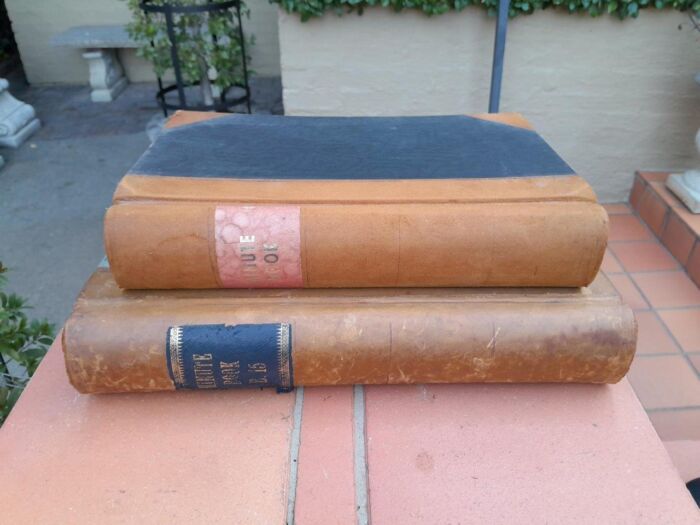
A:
(531, 231)
(115, 340)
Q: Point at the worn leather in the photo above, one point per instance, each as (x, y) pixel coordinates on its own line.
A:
(115, 340)
(513, 231)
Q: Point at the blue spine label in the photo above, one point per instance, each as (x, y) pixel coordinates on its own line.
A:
(230, 356)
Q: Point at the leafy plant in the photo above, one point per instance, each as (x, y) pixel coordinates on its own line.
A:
(23, 343)
(621, 8)
(210, 50)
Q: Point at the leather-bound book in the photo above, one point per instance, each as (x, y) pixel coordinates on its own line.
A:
(241, 201)
(146, 340)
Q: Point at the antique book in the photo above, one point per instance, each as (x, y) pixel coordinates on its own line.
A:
(240, 201)
(120, 340)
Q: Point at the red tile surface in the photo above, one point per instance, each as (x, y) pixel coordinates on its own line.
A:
(185, 457)
(610, 263)
(665, 382)
(643, 256)
(686, 456)
(678, 238)
(695, 360)
(653, 337)
(668, 289)
(672, 425)
(488, 453)
(628, 291)
(685, 327)
(627, 228)
(691, 219)
(638, 188)
(654, 176)
(693, 264)
(653, 211)
(620, 208)
(325, 483)
(669, 198)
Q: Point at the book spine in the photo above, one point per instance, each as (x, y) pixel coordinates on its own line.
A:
(205, 345)
(199, 245)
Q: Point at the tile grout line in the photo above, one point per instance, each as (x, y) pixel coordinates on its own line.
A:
(671, 409)
(360, 456)
(294, 446)
(668, 330)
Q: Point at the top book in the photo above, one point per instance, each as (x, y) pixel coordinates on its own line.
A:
(257, 201)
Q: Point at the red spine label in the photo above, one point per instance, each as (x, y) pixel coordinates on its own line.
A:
(258, 246)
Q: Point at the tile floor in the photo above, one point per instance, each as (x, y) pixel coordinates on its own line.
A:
(666, 371)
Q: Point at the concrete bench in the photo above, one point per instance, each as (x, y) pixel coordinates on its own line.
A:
(101, 43)
(399, 454)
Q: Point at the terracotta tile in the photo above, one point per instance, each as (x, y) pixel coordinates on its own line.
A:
(487, 453)
(167, 457)
(695, 359)
(678, 238)
(627, 228)
(626, 288)
(654, 176)
(653, 211)
(685, 455)
(653, 338)
(643, 256)
(619, 208)
(638, 188)
(610, 263)
(666, 195)
(691, 219)
(664, 382)
(672, 425)
(325, 482)
(685, 326)
(668, 289)
(693, 264)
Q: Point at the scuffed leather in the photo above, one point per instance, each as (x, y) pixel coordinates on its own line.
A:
(115, 339)
(530, 231)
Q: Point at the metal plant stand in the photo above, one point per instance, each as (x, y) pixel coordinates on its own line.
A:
(499, 48)
(222, 103)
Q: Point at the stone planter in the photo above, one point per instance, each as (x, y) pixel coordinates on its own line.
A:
(612, 97)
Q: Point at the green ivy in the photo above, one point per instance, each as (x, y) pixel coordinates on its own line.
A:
(209, 45)
(622, 9)
(23, 344)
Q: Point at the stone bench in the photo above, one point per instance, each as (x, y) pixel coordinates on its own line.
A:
(101, 43)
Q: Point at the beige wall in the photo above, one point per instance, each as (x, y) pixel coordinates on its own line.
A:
(610, 96)
(35, 22)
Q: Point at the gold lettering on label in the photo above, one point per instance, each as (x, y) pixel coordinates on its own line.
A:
(257, 368)
(261, 370)
(230, 373)
(204, 371)
(246, 238)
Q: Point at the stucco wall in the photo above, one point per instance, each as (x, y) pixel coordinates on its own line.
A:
(611, 97)
(35, 22)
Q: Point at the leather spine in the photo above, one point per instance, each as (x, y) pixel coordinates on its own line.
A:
(115, 340)
(173, 244)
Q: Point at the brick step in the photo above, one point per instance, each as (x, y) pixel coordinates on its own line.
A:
(669, 219)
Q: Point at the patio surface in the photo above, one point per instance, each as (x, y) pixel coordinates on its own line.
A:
(666, 371)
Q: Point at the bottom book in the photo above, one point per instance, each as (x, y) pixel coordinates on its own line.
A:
(136, 341)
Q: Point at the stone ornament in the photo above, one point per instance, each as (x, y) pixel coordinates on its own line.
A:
(107, 78)
(686, 186)
(17, 119)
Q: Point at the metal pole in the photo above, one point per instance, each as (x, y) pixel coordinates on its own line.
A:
(245, 59)
(499, 47)
(169, 23)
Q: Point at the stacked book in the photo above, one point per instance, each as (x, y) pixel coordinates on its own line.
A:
(264, 251)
